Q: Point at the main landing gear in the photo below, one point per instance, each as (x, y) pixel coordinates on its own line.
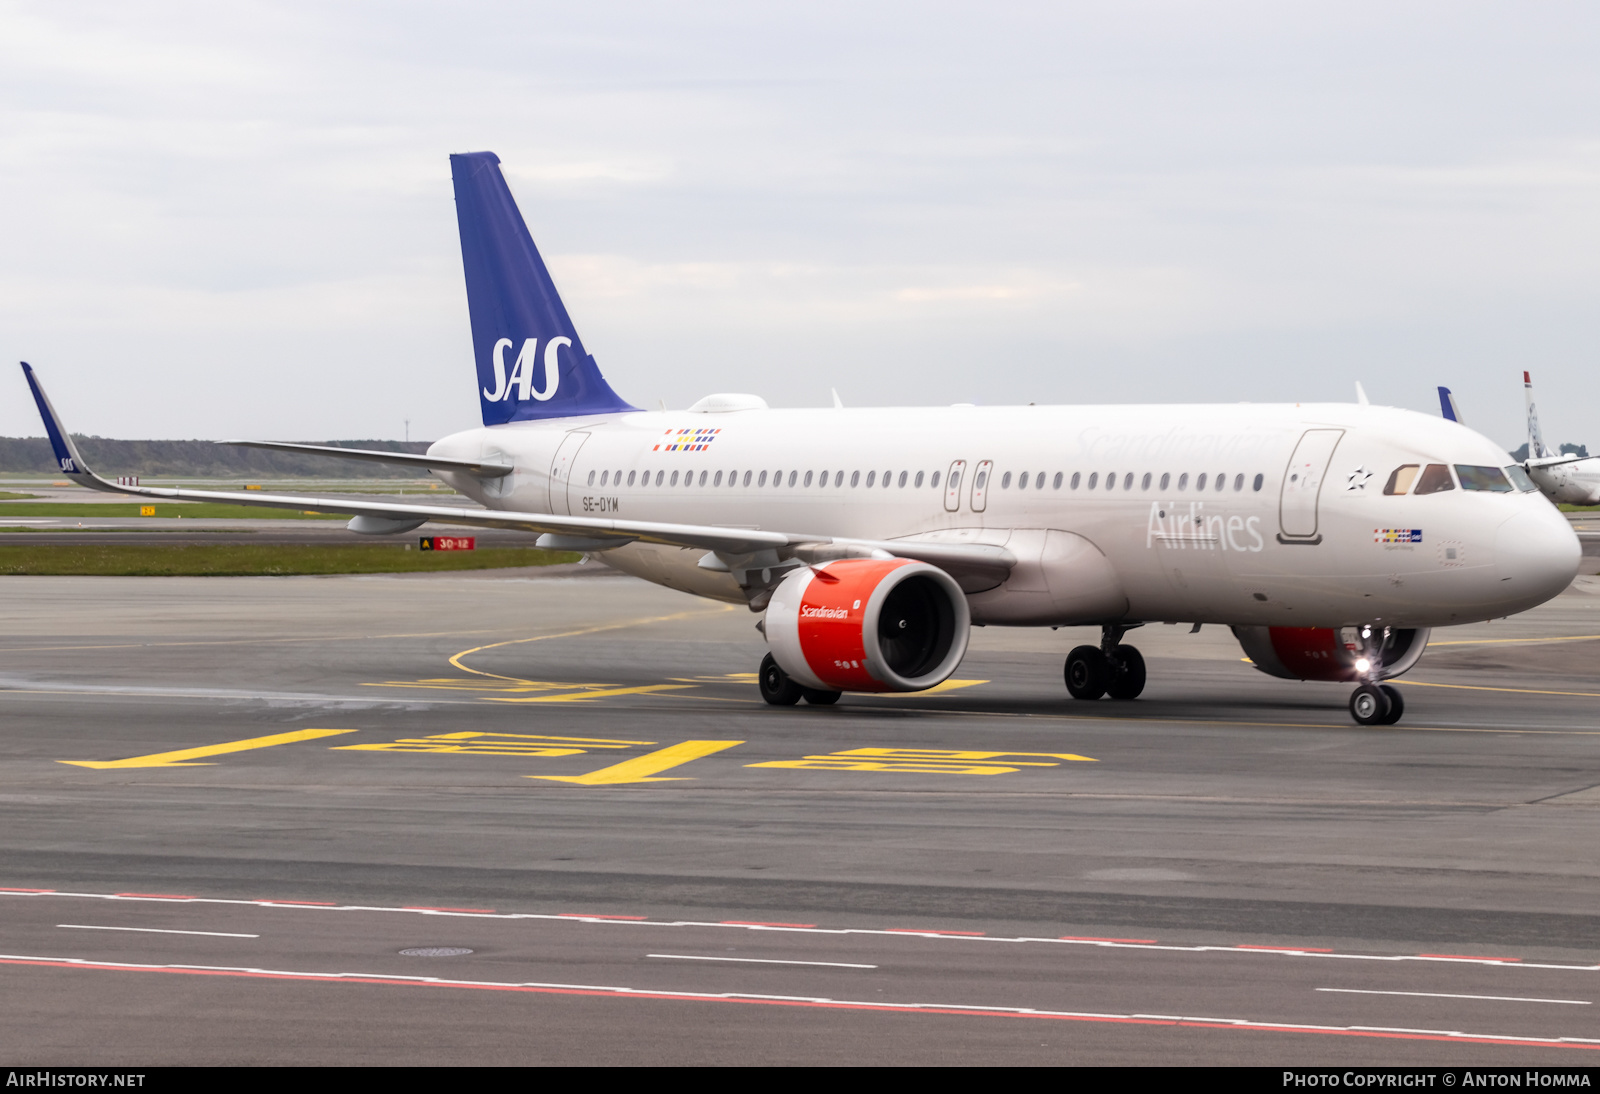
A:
(780, 689)
(1108, 669)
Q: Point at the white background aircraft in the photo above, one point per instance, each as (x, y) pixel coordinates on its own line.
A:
(1563, 478)
(1329, 537)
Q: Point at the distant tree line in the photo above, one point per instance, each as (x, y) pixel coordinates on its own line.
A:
(1520, 454)
(204, 459)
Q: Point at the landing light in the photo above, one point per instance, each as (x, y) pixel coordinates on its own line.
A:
(1362, 664)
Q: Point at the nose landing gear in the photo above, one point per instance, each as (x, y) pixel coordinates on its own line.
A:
(1108, 669)
(1375, 703)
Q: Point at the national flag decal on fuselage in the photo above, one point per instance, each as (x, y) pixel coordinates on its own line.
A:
(686, 440)
(1397, 535)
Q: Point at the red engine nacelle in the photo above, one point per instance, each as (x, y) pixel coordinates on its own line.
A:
(868, 625)
(1326, 653)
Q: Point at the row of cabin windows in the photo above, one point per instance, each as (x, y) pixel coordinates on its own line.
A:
(754, 478)
(916, 479)
(1201, 481)
(1414, 478)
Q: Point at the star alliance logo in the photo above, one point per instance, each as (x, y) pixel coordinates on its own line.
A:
(1358, 479)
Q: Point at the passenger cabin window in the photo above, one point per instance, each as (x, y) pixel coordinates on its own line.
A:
(1401, 478)
(1005, 481)
(934, 482)
(1075, 478)
(1474, 477)
(1056, 482)
(1435, 480)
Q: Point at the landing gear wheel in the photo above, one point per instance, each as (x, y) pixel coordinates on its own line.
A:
(1369, 706)
(1087, 673)
(819, 698)
(777, 687)
(1125, 679)
(1397, 705)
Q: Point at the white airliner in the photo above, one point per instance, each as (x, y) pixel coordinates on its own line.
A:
(1330, 538)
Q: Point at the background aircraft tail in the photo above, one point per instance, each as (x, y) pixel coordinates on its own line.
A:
(1536, 448)
(1447, 405)
(531, 362)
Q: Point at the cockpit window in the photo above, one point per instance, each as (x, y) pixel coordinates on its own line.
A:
(1482, 478)
(1401, 478)
(1519, 478)
(1435, 479)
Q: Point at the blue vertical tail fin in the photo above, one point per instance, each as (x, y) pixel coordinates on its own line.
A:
(531, 362)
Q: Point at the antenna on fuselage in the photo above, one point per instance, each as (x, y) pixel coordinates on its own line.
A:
(1361, 395)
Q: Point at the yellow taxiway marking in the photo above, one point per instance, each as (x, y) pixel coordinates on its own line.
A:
(475, 743)
(597, 629)
(1518, 691)
(641, 769)
(927, 761)
(948, 685)
(181, 757)
(475, 684)
(579, 696)
(1507, 641)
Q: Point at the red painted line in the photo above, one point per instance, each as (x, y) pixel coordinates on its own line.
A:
(587, 915)
(425, 908)
(921, 930)
(6, 890)
(158, 896)
(1134, 941)
(1284, 949)
(957, 1011)
(1467, 957)
(753, 923)
(302, 903)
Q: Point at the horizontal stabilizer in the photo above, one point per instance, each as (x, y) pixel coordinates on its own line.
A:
(1553, 461)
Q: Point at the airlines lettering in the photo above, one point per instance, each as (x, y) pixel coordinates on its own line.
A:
(1195, 529)
(521, 378)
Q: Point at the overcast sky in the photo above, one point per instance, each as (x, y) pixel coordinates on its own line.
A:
(235, 219)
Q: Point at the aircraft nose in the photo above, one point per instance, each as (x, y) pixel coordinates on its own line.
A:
(1536, 554)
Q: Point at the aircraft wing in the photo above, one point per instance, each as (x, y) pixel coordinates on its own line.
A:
(559, 532)
(480, 468)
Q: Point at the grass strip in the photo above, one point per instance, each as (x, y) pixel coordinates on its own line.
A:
(248, 559)
(11, 495)
(168, 509)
